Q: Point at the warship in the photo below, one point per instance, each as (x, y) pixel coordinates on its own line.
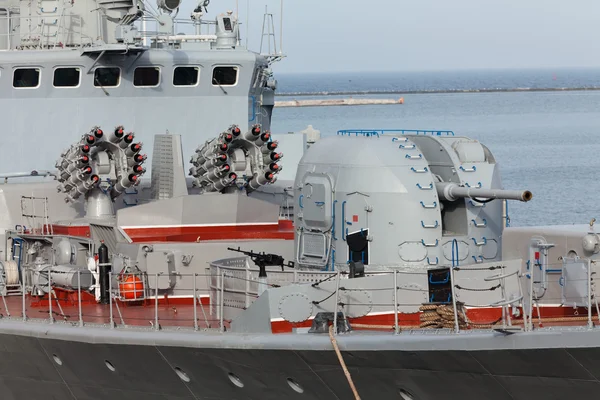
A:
(382, 267)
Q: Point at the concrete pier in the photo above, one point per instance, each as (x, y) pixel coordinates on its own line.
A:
(336, 102)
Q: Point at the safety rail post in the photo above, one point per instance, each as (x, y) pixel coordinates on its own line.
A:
(79, 297)
(50, 294)
(589, 302)
(456, 327)
(156, 304)
(396, 327)
(221, 307)
(247, 284)
(337, 298)
(23, 297)
(531, 299)
(505, 314)
(110, 300)
(195, 310)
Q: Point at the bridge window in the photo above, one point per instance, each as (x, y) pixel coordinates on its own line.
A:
(107, 77)
(185, 76)
(66, 77)
(146, 76)
(225, 76)
(26, 78)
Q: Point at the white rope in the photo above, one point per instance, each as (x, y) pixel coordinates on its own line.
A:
(342, 363)
(11, 270)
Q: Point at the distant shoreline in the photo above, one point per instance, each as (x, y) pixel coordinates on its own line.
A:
(434, 91)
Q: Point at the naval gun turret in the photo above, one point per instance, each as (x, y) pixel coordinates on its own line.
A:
(408, 201)
(101, 167)
(236, 160)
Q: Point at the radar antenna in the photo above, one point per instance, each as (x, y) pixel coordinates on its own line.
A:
(233, 159)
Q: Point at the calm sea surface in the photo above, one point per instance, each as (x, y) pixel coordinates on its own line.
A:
(547, 142)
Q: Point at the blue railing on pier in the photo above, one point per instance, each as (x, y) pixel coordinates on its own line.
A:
(377, 132)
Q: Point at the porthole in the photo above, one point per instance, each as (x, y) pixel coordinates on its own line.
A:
(404, 395)
(57, 359)
(295, 385)
(109, 365)
(235, 380)
(182, 375)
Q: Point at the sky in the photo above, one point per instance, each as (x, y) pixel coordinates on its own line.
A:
(402, 35)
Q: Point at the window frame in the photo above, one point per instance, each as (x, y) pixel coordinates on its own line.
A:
(186, 66)
(67, 67)
(237, 75)
(105, 67)
(39, 69)
(147, 86)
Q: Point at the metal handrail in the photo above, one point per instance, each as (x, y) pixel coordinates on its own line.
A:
(222, 271)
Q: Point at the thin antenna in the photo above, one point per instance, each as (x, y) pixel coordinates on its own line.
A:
(237, 10)
(281, 27)
(247, 21)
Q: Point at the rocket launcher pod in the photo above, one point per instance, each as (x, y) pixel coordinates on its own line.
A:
(89, 139)
(84, 186)
(273, 167)
(261, 180)
(127, 140)
(263, 138)
(116, 135)
(268, 158)
(124, 183)
(218, 172)
(137, 169)
(84, 149)
(226, 137)
(452, 192)
(253, 133)
(235, 131)
(133, 149)
(97, 132)
(269, 147)
(136, 159)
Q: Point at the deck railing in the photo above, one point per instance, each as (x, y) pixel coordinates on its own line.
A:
(139, 299)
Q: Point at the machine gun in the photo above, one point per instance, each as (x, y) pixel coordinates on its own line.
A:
(261, 260)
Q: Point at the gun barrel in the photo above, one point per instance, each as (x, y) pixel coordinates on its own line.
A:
(452, 192)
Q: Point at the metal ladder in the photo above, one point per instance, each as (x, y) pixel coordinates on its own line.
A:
(31, 219)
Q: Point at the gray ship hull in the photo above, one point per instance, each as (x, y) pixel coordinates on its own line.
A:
(565, 365)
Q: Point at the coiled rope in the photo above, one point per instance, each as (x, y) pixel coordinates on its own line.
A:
(342, 363)
(437, 316)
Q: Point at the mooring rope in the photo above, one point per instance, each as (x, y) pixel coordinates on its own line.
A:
(342, 363)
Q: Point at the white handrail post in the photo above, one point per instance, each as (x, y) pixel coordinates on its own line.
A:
(335, 307)
(456, 326)
(589, 302)
(79, 297)
(110, 299)
(221, 307)
(396, 327)
(195, 310)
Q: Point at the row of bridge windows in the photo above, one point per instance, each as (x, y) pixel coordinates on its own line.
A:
(70, 77)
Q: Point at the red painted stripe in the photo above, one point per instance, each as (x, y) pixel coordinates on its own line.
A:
(476, 315)
(68, 230)
(282, 231)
